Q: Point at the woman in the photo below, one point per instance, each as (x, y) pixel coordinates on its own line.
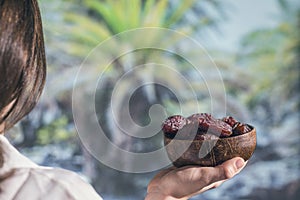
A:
(22, 77)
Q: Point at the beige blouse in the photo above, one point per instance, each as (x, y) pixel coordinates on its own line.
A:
(21, 179)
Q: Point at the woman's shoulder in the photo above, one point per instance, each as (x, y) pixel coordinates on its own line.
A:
(45, 183)
(20, 178)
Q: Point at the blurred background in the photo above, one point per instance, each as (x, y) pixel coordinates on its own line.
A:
(255, 45)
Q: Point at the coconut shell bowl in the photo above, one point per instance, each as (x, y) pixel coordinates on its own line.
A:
(203, 140)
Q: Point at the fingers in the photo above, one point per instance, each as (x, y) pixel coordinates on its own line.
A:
(164, 172)
(230, 168)
(156, 180)
(190, 180)
(209, 175)
(215, 184)
(209, 187)
(213, 177)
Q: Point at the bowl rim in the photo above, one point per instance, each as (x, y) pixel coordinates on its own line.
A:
(219, 138)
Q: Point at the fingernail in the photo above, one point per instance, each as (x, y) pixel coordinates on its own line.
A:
(239, 163)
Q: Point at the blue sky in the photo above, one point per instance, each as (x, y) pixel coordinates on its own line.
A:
(243, 16)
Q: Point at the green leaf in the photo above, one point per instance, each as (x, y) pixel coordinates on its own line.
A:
(179, 12)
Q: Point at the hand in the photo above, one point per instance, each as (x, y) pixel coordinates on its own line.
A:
(185, 182)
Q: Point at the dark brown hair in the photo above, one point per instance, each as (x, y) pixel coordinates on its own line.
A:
(22, 59)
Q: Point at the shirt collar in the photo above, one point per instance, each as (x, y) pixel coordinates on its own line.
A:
(12, 159)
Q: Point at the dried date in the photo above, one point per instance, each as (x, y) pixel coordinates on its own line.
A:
(229, 120)
(240, 128)
(206, 136)
(202, 126)
(207, 123)
(172, 124)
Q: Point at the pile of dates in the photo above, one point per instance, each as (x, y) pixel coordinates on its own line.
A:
(202, 126)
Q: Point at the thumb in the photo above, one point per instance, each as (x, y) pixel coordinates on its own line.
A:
(205, 178)
(230, 168)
